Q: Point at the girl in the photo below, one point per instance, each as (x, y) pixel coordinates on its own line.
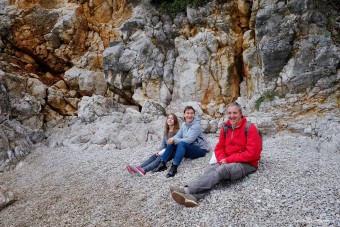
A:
(171, 128)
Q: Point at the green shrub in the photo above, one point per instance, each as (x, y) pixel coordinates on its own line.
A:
(258, 102)
(327, 34)
(268, 95)
(177, 6)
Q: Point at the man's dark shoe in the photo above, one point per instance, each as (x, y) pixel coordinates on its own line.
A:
(172, 172)
(184, 199)
(160, 167)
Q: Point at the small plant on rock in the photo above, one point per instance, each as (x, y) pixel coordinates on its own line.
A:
(268, 95)
(177, 6)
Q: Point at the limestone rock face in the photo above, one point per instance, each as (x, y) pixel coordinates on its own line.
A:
(288, 76)
(61, 103)
(116, 130)
(200, 64)
(44, 4)
(86, 82)
(5, 106)
(283, 61)
(129, 66)
(39, 41)
(60, 34)
(279, 59)
(20, 102)
(90, 108)
(16, 141)
(21, 117)
(151, 110)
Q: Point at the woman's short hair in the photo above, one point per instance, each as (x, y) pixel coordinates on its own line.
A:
(235, 104)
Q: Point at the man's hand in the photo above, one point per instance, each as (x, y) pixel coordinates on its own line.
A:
(223, 161)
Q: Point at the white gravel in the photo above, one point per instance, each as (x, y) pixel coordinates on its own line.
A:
(296, 185)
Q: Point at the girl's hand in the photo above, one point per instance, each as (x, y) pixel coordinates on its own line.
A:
(171, 140)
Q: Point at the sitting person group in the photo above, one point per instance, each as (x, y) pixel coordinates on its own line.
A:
(237, 153)
(189, 141)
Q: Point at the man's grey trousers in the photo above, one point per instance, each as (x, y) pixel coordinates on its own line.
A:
(216, 173)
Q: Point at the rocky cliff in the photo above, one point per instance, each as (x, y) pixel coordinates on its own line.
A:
(91, 58)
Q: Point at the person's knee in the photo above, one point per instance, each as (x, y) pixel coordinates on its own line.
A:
(236, 171)
(182, 143)
(232, 171)
(169, 146)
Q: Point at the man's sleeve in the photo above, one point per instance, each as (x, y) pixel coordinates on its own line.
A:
(179, 134)
(220, 147)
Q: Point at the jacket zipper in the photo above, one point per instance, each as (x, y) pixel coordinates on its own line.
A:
(232, 135)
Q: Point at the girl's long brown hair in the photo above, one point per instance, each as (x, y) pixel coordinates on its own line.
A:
(176, 124)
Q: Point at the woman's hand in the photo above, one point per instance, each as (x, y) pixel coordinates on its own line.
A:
(157, 153)
(171, 140)
(223, 161)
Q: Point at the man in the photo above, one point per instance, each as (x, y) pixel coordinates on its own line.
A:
(237, 155)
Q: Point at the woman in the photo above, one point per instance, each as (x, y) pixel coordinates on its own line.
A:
(189, 142)
(171, 128)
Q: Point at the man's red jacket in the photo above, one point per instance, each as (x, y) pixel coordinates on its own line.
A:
(236, 147)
